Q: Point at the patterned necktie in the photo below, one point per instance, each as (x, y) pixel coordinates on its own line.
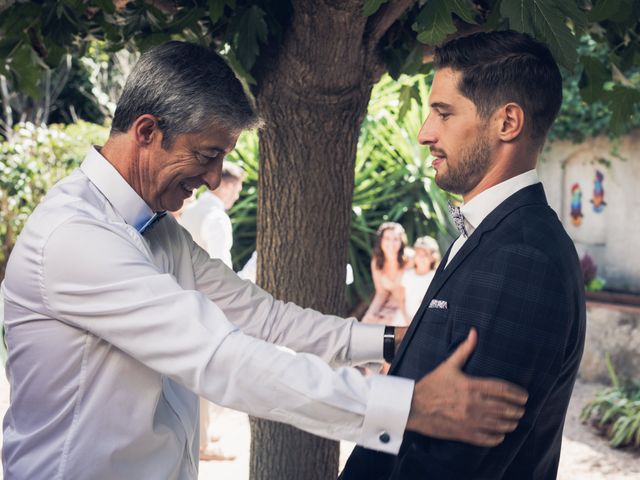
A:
(458, 220)
(151, 222)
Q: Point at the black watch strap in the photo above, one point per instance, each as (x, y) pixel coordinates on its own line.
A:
(389, 345)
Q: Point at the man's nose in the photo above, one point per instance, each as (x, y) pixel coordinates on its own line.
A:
(427, 134)
(212, 178)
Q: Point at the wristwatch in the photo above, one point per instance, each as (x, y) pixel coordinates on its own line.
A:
(389, 345)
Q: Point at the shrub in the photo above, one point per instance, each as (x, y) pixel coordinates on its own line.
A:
(30, 164)
(616, 411)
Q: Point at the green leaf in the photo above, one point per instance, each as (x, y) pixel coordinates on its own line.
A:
(371, 6)
(464, 9)
(237, 67)
(434, 22)
(250, 29)
(216, 9)
(546, 20)
(603, 10)
(593, 78)
(27, 67)
(622, 101)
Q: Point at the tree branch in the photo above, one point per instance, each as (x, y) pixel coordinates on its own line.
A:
(388, 13)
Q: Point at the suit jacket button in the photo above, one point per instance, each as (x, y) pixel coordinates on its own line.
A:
(384, 437)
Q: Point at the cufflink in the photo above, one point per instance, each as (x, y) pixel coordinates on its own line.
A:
(384, 437)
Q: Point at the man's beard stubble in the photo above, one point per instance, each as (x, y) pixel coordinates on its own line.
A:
(474, 161)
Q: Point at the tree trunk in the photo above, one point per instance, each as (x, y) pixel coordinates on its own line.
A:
(304, 200)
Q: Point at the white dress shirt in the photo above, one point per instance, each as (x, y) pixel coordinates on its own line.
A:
(477, 209)
(112, 336)
(210, 226)
(415, 286)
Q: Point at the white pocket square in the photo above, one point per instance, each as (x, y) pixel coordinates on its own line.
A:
(441, 304)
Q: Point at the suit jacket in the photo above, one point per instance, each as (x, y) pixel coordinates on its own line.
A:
(517, 279)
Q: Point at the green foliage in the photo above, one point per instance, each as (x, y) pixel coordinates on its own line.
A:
(434, 22)
(30, 164)
(35, 35)
(393, 182)
(593, 104)
(616, 411)
(547, 19)
(244, 213)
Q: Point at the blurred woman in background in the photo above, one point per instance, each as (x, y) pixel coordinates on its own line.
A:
(387, 268)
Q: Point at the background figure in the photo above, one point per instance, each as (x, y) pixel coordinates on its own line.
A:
(207, 221)
(416, 280)
(387, 267)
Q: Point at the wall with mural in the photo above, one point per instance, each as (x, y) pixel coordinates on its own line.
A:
(594, 187)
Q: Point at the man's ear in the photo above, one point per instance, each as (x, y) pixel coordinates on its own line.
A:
(146, 130)
(510, 122)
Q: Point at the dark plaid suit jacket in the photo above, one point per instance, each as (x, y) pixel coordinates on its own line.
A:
(516, 279)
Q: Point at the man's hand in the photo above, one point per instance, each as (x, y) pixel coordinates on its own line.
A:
(450, 405)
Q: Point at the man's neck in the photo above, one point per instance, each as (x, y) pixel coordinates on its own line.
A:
(118, 154)
(508, 166)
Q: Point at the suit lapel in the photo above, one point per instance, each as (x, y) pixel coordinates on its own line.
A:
(533, 194)
(439, 279)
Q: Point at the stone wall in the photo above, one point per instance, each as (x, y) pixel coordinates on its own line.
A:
(615, 330)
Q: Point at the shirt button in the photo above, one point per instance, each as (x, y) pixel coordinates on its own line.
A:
(384, 437)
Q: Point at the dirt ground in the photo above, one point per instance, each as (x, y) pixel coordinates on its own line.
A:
(585, 456)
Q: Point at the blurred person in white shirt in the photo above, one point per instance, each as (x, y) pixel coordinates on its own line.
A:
(416, 280)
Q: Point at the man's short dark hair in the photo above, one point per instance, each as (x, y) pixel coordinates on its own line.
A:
(188, 87)
(506, 66)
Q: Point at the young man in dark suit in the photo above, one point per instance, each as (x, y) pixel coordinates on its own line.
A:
(512, 274)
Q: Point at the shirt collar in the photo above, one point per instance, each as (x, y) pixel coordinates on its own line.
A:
(125, 201)
(476, 210)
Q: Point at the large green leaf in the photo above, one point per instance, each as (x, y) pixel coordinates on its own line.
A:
(435, 22)
(622, 100)
(593, 78)
(371, 6)
(250, 30)
(216, 8)
(547, 20)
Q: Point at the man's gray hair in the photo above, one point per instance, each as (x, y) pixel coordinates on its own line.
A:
(188, 88)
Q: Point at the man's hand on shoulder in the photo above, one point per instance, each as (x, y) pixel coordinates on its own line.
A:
(448, 404)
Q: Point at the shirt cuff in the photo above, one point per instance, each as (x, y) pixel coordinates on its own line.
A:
(387, 412)
(366, 343)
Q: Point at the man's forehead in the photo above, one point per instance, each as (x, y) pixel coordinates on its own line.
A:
(444, 89)
(215, 138)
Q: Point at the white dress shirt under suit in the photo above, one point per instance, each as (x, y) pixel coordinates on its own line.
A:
(112, 336)
(477, 209)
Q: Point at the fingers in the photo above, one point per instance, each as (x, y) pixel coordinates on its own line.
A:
(483, 439)
(464, 350)
(492, 408)
(500, 390)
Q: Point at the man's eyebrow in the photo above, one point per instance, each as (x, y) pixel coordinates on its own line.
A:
(440, 106)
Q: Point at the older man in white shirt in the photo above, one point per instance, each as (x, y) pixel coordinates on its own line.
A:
(116, 321)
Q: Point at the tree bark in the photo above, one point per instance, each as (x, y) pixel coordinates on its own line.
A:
(321, 76)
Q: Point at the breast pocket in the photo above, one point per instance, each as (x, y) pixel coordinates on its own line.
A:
(436, 315)
(429, 343)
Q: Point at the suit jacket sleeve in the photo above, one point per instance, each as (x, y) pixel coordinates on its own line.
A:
(516, 299)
